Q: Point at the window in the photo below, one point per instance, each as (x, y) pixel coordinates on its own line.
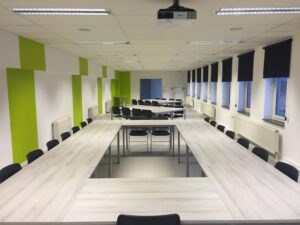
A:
(205, 91)
(189, 89)
(213, 92)
(275, 101)
(226, 94)
(244, 100)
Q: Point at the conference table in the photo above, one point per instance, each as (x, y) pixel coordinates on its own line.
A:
(160, 110)
(164, 101)
(238, 186)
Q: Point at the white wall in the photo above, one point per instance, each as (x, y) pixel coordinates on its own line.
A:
(5, 134)
(53, 100)
(106, 92)
(9, 50)
(94, 69)
(89, 94)
(174, 83)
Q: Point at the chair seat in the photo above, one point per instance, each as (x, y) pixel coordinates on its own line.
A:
(161, 133)
(138, 133)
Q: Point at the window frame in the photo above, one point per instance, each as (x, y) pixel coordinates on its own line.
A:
(274, 101)
(215, 93)
(228, 93)
(246, 96)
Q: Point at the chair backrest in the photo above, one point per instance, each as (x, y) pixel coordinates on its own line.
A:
(147, 114)
(178, 99)
(141, 102)
(83, 124)
(51, 144)
(75, 129)
(163, 99)
(230, 134)
(207, 119)
(31, 156)
(213, 123)
(89, 120)
(136, 112)
(125, 111)
(244, 142)
(65, 135)
(172, 99)
(134, 102)
(221, 128)
(172, 219)
(116, 110)
(148, 103)
(288, 170)
(261, 153)
(155, 103)
(9, 171)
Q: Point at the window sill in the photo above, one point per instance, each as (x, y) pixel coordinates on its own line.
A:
(244, 113)
(275, 122)
(225, 107)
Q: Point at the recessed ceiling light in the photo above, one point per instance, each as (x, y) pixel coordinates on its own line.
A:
(235, 28)
(257, 11)
(104, 42)
(61, 11)
(84, 29)
(222, 42)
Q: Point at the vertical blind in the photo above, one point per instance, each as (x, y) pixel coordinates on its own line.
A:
(245, 70)
(205, 74)
(227, 70)
(214, 72)
(199, 73)
(278, 59)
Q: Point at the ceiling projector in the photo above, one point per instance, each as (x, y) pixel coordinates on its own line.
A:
(176, 15)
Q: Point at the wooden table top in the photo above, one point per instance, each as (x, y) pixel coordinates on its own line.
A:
(239, 186)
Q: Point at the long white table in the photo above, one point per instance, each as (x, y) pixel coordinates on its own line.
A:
(239, 186)
(158, 110)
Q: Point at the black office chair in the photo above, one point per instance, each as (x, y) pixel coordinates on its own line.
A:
(138, 132)
(148, 103)
(261, 153)
(89, 120)
(288, 170)
(8, 171)
(141, 102)
(230, 134)
(147, 114)
(134, 102)
(83, 124)
(172, 219)
(213, 123)
(75, 129)
(244, 142)
(51, 144)
(178, 99)
(155, 103)
(163, 99)
(116, 111)
(207, 119)
(178, 114)
(172, 99)
(136, 113)
(160, 131)
(31, 156)
(126, 113)
(65, 135)
(221, 128)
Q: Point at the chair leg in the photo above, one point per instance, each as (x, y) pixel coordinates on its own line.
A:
(147, 142)
(128, 144)
(150, 141)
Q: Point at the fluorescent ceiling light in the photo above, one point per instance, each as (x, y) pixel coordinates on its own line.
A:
(255, 11)
(215, 42)
(104, 42)
(61, 11)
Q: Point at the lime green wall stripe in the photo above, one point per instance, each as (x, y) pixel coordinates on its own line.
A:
(77, 99)
(22, 109)
(32, 54)
(124, 78)
(99, 85)
(115, 91)
(104, 71)
(83, 66)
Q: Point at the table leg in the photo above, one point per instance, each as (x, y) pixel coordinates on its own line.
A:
(187, 162)
(184, 114)
(178, 146)
(118, 144)
(123, 141)
(173, 137)
(109, 162)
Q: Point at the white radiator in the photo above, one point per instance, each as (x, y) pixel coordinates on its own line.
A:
(61, 125)
(263, 136)
(189, 101)
(208, 109)
(93, 112)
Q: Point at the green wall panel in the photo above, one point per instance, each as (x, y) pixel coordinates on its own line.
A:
(22, 109)
(77, 99)
(104, 71)
(32, 54)
(124, 78)
(99, 85)
(115, 91)
(83, 66)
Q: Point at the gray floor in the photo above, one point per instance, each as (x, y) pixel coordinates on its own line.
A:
(138, 163)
